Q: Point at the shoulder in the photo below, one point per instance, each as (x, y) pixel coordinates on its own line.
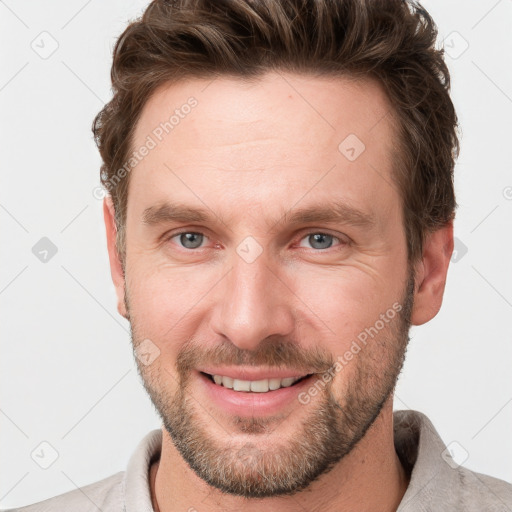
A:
(463, 490)
(437, 481)
(483, 492)
(105, 495)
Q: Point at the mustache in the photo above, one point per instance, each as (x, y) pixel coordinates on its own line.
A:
(272, 352)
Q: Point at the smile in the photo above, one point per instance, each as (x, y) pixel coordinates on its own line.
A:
(255, 386)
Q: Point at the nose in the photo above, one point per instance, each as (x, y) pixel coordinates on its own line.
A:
(252, 304)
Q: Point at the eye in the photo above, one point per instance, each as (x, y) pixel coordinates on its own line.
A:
(189, 239)
(319, 240)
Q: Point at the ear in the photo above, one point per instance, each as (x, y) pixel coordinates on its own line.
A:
(116, 268)
(431, 273)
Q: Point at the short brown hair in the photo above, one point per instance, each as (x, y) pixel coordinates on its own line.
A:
(392, 41)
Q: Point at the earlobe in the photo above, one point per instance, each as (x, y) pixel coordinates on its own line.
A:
(431, 274)
(116, 267)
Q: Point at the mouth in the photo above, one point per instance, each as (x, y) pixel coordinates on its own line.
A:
(255, 386)
(245, 391)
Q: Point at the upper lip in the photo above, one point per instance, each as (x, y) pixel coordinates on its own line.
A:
(251, 373)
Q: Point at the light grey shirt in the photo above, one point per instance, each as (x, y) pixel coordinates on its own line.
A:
(437, 482)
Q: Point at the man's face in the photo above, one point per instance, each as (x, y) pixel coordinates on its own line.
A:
(266, 283)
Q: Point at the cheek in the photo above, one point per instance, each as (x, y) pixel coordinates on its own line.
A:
(362, 335)
(163, 297)
(345, 299)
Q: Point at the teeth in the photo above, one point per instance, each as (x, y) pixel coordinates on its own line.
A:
(274, 384)
(242, 385)
(256, 386)
(259, 386)
(286, 383)
(227, 382)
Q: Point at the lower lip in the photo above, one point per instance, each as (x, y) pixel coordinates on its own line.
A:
(243, 403)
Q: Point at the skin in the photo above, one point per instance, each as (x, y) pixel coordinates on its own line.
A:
(251, 152)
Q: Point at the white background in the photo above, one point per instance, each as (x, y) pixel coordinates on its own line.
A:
(67, 370)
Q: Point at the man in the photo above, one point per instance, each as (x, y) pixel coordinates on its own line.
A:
(280, 212)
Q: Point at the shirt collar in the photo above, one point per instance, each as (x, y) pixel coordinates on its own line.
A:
(433, 473)
(136, 489)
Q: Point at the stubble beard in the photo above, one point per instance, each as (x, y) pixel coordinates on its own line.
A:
(331, 429)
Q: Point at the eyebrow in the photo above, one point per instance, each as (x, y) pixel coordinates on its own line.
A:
(332, 212)
(173, 213)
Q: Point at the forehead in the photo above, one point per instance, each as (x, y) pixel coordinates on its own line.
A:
(276, 139)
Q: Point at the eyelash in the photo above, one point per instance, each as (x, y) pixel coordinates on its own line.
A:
(342, 242)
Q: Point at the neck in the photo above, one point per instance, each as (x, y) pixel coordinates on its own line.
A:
(369, 478)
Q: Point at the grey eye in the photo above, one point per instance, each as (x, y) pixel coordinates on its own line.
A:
(320, 240)
(191, 240)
